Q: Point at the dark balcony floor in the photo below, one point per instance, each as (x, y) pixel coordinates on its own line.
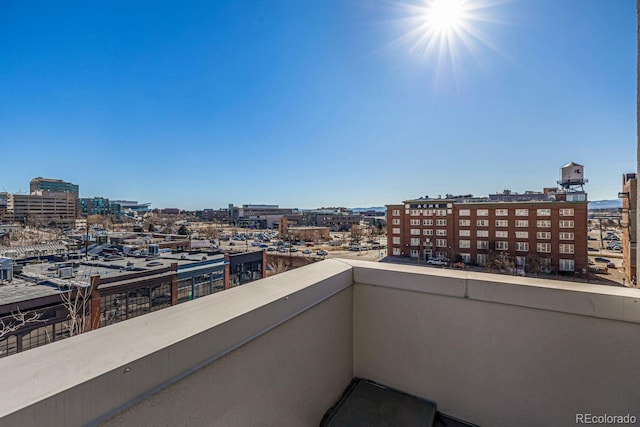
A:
(366, 403)
(443, 420)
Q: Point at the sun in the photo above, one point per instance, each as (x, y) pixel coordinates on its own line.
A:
(445, 29)
(445, 15)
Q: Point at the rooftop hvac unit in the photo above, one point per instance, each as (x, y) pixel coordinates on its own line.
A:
(65, 273)
(6, 269)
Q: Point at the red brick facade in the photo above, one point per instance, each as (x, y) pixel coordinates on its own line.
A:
(629, 206)
(552, 234)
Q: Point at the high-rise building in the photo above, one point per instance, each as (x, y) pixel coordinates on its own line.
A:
(43, 208)
(93, 206)
(50, 202)
(3, 206)
(52, 186)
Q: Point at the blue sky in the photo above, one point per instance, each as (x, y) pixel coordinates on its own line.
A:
(197, 104)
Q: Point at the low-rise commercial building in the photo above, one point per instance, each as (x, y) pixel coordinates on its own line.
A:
(336, 219)
(114, 288)
(129, 208)
(219, 215)
(257, 216)
(245, 267)
(33, 252)
(302, 233)
(308, 234)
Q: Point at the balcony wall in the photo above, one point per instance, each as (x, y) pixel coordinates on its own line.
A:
(274, 352)
(493, 350)
(498, 350)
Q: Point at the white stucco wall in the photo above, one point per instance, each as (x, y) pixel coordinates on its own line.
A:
(474, 348)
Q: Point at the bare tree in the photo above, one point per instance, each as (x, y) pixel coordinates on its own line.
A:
(211, 232)
(356, 234)
(17, 321)
(94, 220)
(374, 232)
(280, 266)
(534, 264)
(76, 302)
(492, 261)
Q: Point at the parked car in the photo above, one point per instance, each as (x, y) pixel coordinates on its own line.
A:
(592, 249)
(600, 259)
(437, 261)
(598, 269)
(271, 249)
(322, 252)
(293, 249)
(232, 243)
(611, 265)
(306, 251)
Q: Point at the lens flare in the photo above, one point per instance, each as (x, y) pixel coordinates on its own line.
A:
(445, 15)
(444, 29)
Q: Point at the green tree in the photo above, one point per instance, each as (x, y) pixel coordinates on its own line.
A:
(183, 230)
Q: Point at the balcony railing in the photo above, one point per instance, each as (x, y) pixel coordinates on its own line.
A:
(492, 350)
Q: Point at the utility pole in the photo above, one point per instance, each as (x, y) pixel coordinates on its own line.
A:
(86, 242)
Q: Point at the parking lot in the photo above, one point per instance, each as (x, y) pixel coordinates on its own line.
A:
(246, 240)
(614, 275)
(600, 256)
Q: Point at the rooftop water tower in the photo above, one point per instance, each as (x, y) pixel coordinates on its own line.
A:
(572, 177)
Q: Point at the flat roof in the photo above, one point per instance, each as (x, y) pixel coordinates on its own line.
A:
(22, 290)
(46, 273)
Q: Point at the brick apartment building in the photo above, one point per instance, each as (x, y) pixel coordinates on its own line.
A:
(544, 235)
(629, 226)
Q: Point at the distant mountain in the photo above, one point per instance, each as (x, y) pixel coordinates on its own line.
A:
(374, 208)
(605, 204)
